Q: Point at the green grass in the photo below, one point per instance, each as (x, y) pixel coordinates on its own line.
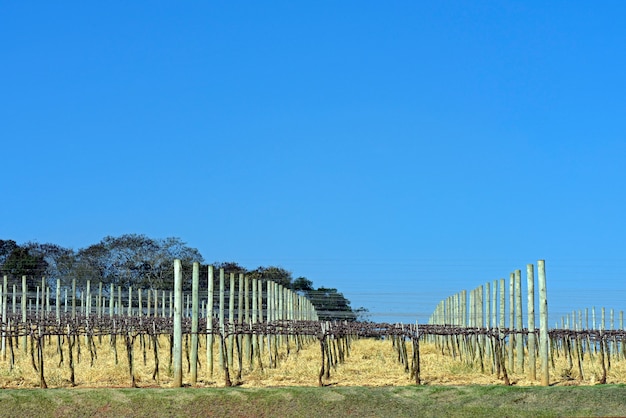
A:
(409, 401)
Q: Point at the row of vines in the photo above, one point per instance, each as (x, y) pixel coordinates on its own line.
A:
(479, 335)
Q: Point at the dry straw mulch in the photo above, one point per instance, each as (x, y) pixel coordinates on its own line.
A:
(370, 363)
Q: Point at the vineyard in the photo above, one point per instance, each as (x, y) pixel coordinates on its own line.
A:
(247, 327)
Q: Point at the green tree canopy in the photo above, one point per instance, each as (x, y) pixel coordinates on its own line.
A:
(331, 305)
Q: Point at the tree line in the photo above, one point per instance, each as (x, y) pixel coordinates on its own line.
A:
(147, 263)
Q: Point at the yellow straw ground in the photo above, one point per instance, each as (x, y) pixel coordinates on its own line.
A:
(371, 363)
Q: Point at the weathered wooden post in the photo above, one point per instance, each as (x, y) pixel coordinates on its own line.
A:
(246, 318)
(195, 285)
(231, 319)
(14, 305)
(24, 301)
(240, 299)
(519, 323)
(255, 309)
(120, 307)
(111, 300)
(511, 322)
(209, 321)
(43, 293)
(221, 319)
(130, 302)
(494, 304)
(530, 282)
(488, 352)
(73, 298)
(4, 315)
(178, 331)
(543, 323)
(99, 300)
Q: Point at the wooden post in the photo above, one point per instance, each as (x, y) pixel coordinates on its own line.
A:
(494, 304)
(246, 319)
(130, 301)
(73, 298)
(519, 323)
(24, 299)
(255, 337)
(120, 309)
(209, 321)
(463, 308)
(111, 300)
(195, 285)
(543, 323)
(4, 315)
(231, 319)
(530, 282)
(100, 300)
(221, 320)
(511, 322)
(178, 332)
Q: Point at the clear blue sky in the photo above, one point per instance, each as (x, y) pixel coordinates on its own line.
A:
(399, 151)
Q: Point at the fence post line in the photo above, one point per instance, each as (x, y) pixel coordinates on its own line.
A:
(178, 331)
(543, 323)
(195, 284)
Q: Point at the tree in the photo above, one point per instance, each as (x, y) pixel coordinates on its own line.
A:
(134, 260)
(331, 305)
(275, 274)
(88, 264)
(6, 248)
(301, 284)
(362, 314)
(59, 260)
(22, 262)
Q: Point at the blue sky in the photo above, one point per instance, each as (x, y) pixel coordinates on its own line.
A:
(398, 151)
